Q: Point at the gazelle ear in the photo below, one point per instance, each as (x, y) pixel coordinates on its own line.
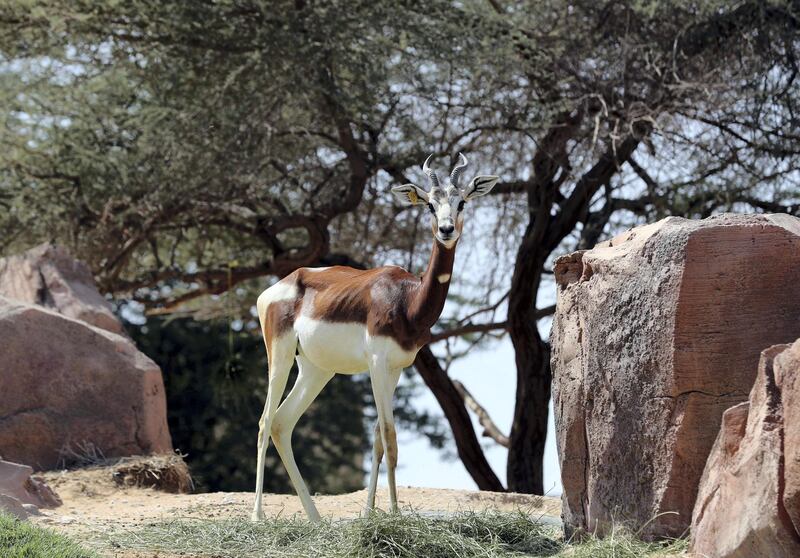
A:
(410, 193)
(480, 186)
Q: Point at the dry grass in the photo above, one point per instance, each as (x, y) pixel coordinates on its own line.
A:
(168, 473)
(380, 535)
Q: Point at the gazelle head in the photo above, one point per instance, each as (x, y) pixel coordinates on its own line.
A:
(446, 203)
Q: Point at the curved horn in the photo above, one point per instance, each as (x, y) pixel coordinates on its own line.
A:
(431, 175)
(458, 169)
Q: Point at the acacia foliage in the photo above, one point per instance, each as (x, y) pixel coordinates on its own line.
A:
(195, 145)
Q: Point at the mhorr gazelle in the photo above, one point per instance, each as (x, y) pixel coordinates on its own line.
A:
(341, 320)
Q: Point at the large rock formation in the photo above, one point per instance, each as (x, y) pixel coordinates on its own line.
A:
(72, 381)
(69, 386)
(48, 276)
(656, 333)
(747, 502)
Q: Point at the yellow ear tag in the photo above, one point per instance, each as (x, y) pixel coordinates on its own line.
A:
(412, 195)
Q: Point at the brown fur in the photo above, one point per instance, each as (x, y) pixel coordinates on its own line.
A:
(389, 300)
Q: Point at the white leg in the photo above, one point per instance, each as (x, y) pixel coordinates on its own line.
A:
(383, 385)
(310, 382)
(280, 364)
(377, 450)
(377, 455)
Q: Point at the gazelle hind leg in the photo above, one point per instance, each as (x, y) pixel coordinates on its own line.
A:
(281, 356)
(384, 382)
(377, 449)
(309, 384)
(377, 456)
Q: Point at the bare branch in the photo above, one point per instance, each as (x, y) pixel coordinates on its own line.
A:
(480, 328)
(469, 328)
(490, 429)
(513, 187)
(469, 449)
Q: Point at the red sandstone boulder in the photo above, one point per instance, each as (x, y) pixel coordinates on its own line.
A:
(67, 385)
(657, 332)
(744, 507)
(48, 276)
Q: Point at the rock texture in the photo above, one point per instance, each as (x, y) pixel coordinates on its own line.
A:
(17, 480)
(22, 494)
(47, 275)
(787, 372)
(69, 386)
(656, 333)
(745, 506)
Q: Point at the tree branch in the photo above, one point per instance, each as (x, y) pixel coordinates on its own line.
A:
(596, 177)
(514, 187)
(469, 328)
(491, 326)
(490, 429)
(469, 449)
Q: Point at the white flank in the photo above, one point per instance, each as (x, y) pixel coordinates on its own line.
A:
(346, 347)
(444, 277)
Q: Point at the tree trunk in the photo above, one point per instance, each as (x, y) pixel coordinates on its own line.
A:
(529, 430)
(469, 449)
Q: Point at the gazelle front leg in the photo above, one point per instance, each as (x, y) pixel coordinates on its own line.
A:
(384, 382)
(377, 451)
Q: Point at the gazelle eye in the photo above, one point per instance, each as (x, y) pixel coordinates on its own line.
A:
(461, 205)
(430, 206)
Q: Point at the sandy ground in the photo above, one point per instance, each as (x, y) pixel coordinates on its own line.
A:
(93, 503)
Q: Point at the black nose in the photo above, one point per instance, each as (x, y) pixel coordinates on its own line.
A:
(446, 229)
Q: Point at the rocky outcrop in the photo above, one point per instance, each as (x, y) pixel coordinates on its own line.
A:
(787, 372)
(745, 504)
(657, 332)
(22, 494)
(48, 276)
(68, 386)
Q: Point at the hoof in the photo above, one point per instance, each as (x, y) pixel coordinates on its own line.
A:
(257, 516)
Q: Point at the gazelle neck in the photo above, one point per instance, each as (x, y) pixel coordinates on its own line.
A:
(427, 300)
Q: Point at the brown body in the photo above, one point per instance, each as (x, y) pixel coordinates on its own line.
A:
(389, 300)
